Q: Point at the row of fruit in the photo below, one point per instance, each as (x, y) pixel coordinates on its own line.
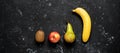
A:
(69, 36)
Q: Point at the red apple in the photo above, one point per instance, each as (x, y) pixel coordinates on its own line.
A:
(54, 37)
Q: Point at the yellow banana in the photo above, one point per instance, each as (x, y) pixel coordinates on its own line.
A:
(86, 23)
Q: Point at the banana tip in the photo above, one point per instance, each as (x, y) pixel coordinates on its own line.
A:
(76, 9)
(84, 41)
(73, 10)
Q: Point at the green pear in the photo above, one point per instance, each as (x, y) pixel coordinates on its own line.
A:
(69, 35)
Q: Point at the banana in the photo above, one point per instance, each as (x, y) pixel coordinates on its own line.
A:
(86, 23)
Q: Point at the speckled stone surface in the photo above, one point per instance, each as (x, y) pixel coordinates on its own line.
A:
(20, 19)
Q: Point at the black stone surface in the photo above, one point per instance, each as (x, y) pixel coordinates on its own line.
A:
(20, 19)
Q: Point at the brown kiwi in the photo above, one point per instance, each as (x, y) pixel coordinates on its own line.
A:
(40, 36)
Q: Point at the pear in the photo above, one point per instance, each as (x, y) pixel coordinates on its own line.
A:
(69, 36)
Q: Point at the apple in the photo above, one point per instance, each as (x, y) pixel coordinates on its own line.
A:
(54, 37)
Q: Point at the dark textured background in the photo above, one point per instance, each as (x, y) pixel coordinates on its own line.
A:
(20, 19)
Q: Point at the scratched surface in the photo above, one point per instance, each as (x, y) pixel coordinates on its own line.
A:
(20, 19)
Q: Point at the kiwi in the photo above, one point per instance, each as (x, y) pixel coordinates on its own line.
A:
(40, 36)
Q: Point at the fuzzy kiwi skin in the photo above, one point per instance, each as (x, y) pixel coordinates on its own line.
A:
(39, 36)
